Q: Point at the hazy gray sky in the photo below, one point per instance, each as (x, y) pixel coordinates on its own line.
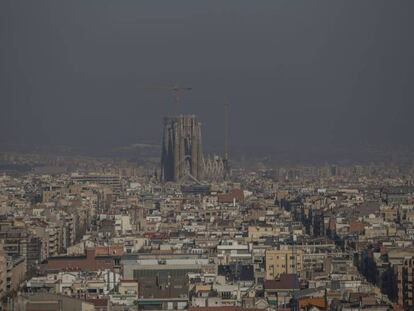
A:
(295, 72)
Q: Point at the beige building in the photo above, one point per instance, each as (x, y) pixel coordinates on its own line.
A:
(257, 232)
(16, 273)
(44, 301)
(49, 234)
(283, 261)
(128, 287)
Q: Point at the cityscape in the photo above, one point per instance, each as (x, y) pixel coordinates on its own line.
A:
(201, 210)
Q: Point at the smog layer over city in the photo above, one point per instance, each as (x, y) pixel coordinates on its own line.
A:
(207, 155)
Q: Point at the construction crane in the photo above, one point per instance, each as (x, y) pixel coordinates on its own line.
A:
(226, 139)
(226, 130)
(176, 89)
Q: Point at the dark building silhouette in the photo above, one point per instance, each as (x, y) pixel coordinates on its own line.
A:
(181, 148)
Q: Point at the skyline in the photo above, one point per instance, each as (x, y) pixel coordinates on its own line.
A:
(296, 74)
(206, 156)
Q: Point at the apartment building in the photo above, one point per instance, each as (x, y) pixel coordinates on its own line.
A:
(283, 260)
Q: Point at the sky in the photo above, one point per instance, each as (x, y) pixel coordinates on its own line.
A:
(297, 74)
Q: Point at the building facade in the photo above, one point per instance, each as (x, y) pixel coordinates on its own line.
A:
(3, 272)
(405, 286)
(281, 261)
(181, 148)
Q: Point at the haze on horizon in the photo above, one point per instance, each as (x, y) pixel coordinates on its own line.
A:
(296, 73)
